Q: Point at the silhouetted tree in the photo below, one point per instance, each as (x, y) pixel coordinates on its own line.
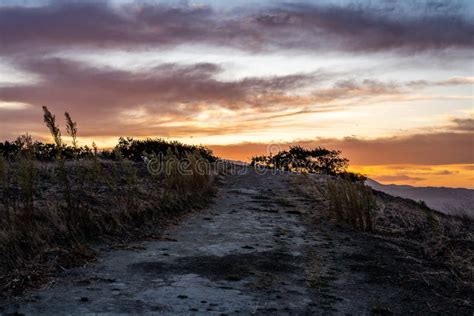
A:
(297, 158)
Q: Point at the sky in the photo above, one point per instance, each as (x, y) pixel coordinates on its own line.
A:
(390, 83)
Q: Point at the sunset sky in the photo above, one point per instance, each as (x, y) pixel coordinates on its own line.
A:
(390, 83)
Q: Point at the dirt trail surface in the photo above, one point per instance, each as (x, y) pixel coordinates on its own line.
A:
(251, 251)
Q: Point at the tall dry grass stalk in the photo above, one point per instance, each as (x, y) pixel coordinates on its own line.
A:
(71, 128)
(352, 203)
(50, 121)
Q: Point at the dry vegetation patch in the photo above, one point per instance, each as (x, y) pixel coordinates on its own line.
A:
(432, 248)
(53, 208)
(45, 224)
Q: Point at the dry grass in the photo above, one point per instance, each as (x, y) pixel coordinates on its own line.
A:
(50, 212)
(351, 203)
(444, 238)
(447, 241)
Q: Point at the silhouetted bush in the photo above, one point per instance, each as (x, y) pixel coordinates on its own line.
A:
(41, 151)
(129, 148)
(135, 150)
(297, 158)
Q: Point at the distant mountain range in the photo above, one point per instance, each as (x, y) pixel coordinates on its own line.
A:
(446, 200)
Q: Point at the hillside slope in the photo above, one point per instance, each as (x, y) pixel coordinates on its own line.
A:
(262, 247)
(446, 200)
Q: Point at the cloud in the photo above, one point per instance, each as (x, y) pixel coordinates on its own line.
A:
(455, 81)
(165, 100)
(428, 149)
(443, 173)
(97, 25)
(417, 149)
(368, 29)
(290, 26)
(463, 124)
(398, 178)
(421, 170)
(67, 84)
(171, 97)
(181, 100)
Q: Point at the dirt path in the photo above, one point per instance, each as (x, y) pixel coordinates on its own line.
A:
(249, 252)
(244, 253)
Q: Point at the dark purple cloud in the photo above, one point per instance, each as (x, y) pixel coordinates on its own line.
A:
(175, 89)
(77, 85)
(367, 29)
(104, 99)
(170, 93)
(102, 96)
(296, 26)
(99, 96)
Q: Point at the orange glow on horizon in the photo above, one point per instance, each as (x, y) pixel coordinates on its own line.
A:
(454, 176)
(446, 175)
